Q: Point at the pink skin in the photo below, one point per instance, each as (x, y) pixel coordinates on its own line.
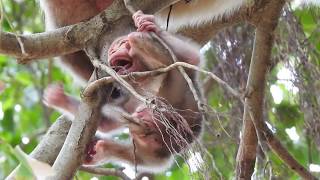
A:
(122, 50)
(54, 96)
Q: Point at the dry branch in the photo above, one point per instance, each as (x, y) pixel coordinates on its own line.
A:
(265, 21)
(255, 87)
(41, 45)
(106, 80)
(72, 153)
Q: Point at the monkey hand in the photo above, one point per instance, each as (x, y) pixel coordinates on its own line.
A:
(96, 152)
(144, 22)
(54, 96)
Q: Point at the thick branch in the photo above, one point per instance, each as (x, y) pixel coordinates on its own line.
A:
(75, 37)
(73, 150)
(266, 23)
(268, 17)
(41, 45)
(49, 147)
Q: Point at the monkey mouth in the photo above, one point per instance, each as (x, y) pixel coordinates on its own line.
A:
(121, 65)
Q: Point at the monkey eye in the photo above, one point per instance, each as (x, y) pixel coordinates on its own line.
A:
(118, 96)
(116, 93)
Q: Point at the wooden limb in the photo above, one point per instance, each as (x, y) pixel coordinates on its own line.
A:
(49, 147)
(267, 19)
(35, 46)
(265, 23)
(72, 38)
(106, 80)
(73, 151)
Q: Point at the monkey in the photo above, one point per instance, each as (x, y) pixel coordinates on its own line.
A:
(164, 131)
(59, 13)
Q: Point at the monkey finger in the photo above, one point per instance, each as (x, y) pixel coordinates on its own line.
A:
(138, 13)
(147, 18)
(147, 26)
(96, 152)
(139, 19)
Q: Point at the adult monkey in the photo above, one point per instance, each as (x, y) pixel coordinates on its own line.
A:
(59, 13)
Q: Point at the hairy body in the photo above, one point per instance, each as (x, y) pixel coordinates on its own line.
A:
(59, 13)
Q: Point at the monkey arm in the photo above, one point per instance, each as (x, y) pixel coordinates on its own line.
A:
(55, 97)
(185, 50)
(145, 157)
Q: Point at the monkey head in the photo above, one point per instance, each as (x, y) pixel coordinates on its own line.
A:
(136, 52)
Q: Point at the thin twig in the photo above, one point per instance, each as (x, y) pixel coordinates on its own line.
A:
(106, 80)
(274, 143)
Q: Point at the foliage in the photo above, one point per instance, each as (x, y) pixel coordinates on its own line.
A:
(24, 118)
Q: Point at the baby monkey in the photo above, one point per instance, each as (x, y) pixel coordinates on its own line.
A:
(165, 130)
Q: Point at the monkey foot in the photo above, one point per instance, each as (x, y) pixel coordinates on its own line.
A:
(91, 151)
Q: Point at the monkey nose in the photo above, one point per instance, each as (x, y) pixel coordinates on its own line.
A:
(134, 37)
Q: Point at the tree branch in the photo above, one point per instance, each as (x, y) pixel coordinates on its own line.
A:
(49, 147)
(255, 87)
(86, 121)
(106, 80)
(265, 21)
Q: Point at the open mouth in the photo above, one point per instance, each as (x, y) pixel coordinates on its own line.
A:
(121, 65)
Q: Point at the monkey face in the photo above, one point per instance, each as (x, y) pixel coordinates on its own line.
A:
(119, 58)
(141, 51)
(138, 51)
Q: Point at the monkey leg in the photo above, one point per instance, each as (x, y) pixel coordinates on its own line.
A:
(144, 158)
